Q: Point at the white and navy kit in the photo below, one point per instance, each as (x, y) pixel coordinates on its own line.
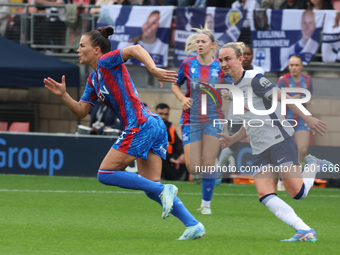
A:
(271, 141)
(269, 129)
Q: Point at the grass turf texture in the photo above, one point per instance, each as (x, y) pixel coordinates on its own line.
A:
(65, 215)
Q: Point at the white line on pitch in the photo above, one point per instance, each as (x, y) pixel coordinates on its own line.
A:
(139, 192)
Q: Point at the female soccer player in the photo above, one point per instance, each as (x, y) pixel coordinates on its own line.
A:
(200, 106)
(295, 79)
(144, 137)
(274, 149)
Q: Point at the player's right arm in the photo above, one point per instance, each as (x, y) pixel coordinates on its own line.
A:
(314, 124)
(80, 109)
(138, 52)
(186, 101)
(227, 140)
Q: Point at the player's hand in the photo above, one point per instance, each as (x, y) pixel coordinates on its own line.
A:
(316, 125)
(225, 94)
(186, 103)
(176, 162)
(164, 75)
(57, 88)
(225, 140)
(297, 96)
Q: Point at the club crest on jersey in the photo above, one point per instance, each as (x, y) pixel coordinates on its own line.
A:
(264, 82)
(193, 69)
(214, 73)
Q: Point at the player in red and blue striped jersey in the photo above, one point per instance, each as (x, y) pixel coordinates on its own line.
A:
(295, 79)
(144, 137)
(201, 105)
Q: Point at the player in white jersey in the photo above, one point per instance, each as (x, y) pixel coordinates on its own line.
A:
(274, 149)
(230, 151)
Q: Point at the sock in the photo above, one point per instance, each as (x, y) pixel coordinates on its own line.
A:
(224, 156)
(128, 180)
(208, 184)
(283, 211)
(205, 203)
(179, 210)
(309, 172)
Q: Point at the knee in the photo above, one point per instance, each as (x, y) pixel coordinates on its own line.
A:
(262, 195)
(303, 152)
(191, 168)
(301, 194)
(209, 161)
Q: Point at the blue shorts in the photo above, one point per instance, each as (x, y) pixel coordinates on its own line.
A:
(194, 133)
(280, 154)
(301, 125)
(138, 141)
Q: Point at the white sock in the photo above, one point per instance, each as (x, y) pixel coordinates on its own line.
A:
(308, 175)
(283, 211)
(205, 203)
(224, 156)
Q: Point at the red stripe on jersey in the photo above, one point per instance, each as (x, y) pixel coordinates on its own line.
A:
(125, 145)
(186, 113)
(204, 74)
(147, 110)
(308, 80)
(204, 77)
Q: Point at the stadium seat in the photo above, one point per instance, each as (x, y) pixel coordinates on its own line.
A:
(3, 125)
(19, 127)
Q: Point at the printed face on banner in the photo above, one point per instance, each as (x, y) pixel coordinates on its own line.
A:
(144, 25)
(224, 23)
(276, 37)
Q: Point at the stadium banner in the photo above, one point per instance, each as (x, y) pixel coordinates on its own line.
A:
(331, 37)
(225, 23)
(47, 154)
(148, 26)
(278, 34)
(73, 155)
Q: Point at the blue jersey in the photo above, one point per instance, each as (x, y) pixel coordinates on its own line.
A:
(200, 81)
(112, 83)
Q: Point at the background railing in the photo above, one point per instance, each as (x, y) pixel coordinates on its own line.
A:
(48, 32)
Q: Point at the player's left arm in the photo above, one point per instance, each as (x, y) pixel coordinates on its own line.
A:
(138, 52)
(262, 87)
(314, 124)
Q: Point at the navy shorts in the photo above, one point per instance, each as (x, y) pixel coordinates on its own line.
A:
(280, 154)
(138, 141)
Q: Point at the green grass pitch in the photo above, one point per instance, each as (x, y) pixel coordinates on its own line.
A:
(70, 215)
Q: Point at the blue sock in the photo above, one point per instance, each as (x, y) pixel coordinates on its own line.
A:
(208, 184)
(179, 210)
(128, 180)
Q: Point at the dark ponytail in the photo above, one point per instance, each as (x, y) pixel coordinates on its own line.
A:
(106, 31)
(100, 37)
